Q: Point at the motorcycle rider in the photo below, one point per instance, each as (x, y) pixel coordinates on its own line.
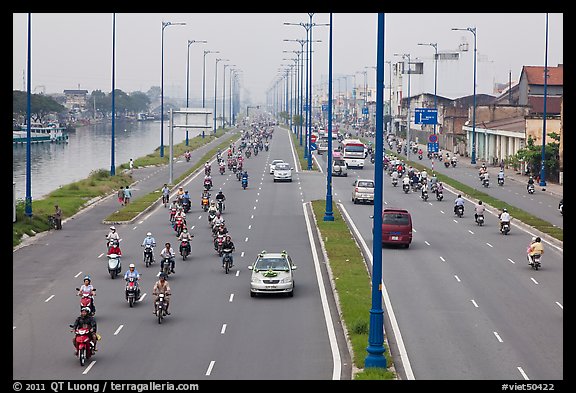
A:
(212, 209)
(478, 210)
(179, 195)
(162, 286)
(485, 177)
(218, 220)
(149, 240)
(168, 253)
(187, 155)
(85, 319)
(88, 289)
(133, 273)
(165, 193)
(186, 199)
(405, 181)
(535, 248)
(245, 177)
(207, 168)
(501, 176)
(530, 182)
(112, 235)
(504, 217)
(459, 201)
(208, 180)
(114, 248)
(228, 245)
(185, 235)
(395, 176)
(220, 198)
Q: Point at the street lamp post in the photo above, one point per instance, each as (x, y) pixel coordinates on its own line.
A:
(112, 152)
(473, 160)
(329, 214)
(190, 42)
(435, 46)
(204, 81)
(215, 89)
(543, 159)
(224, 94)
(164, 25)
(390, 84)
(28, 198)
(407, 56)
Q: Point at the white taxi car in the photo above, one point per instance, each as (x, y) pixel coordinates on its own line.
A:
(282, 172)
(272, 273)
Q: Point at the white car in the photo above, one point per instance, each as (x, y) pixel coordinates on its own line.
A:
(273, 164)
(273, 272)
(282, 172)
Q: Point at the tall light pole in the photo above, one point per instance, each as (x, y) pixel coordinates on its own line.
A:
(328, 213)
(375, 349)
(190, 42)
(543, 159)
(224, 94)
(375, 76)
(112, 153)
(204, 81)
(473, 160)
(215, 89)
(28, 201)
(407, 56)
(164, 25)
(435, 46)
(390, 84)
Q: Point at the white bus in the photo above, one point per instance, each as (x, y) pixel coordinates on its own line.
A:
(353, 152)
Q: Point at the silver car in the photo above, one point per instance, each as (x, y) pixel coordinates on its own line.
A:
(272, 273)
(282, 172)
(273, 165)
(363, 191)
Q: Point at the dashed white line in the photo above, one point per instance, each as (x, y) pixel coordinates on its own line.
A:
(497, 336)
(245, 240)
(231, 298)
(523, 373)
(79, 273)
(457, 278)
(50, 298)
(511, 260)
(89, 367)
(535, 282)
(223, 330)
(426, 242)
(118, 330)
(560, 305)
(474, 303)
(210, 367)
(242, 255)
(442, 259)
(250, 226)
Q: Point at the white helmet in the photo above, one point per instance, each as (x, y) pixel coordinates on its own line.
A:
(113, 228)
(131, 265)
(149, 234)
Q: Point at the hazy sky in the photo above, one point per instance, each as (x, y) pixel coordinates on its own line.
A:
(71, 51)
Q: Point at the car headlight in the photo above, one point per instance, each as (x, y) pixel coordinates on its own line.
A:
(256, 280)
(286, 280)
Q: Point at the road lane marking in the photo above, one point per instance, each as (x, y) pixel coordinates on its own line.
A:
(535, 282)
(246, 239)
(79, 273)
(457, 278)
(50, 298)
(523, 373)
(237, 273)
(223, 330)
(497, 336)
(118, 330)
(250, 226)
(231, 298)
(89, 367)
(210, 367)
(474, 303)
(560, 305)
(511, 260)
(242, 255)
(442, 259)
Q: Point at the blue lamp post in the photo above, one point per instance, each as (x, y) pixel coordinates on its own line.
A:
(190, 42)
(543, 159)
(375, 349)
(329, 214)
(164, 25)
(473, 160)
(408, 116)
(28, 201)
(112, 162)
(224, 94)
(302, 42)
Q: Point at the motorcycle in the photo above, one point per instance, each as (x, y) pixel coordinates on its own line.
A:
(248, 153)
(227, 260)
(244, 183)
(187, 157)
(184, 249)
(132, 291)
(114, 265)
(165, 199)
(266, 147)
(222, 169)
(394, 182)
(172, 215)
(424, 195)
(166, 266)
(211, 217)
(505, 228)
(446, 164)
(500, 181)
(485, 182)
(221, 206)
(530, 188)
(205, 203)
(439, 195)
(83, 343)
(148, 254)
(535, 261)
(561, 207)
(406, 188)
(419, 156)
(459, 211)
(186, 205)
(480, 220)
(86, 300)
(255, 151)
(207, 185)
(372, 158)
(239, 175)
(218, 244)
(179, 225)
(160, 307)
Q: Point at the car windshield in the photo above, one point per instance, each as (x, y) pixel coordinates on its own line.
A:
(366, 184)
(339, 162)
(282, 166)
(395, 219)
(279, 264)
(276, 162)
(354, 148)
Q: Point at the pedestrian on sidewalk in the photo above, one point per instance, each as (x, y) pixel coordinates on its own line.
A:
(131, 163)
(127, 195)
(121, 195)
(58, 216)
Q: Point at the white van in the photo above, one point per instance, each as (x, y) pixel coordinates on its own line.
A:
(339, 167)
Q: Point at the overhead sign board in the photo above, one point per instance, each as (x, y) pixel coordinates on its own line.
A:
(425, 116)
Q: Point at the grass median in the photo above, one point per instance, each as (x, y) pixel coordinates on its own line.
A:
(352, 284)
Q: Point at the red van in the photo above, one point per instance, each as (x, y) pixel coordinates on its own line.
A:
(396, 227)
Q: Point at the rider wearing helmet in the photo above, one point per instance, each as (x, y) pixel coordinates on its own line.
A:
(504, 217)
(133, 273)
(220, 198)
(227, 248)
(85, 319)
(185, 235)
(535, 248)
(112, 235)
(88, 289)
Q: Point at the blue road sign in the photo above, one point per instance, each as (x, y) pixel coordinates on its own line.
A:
(425, 116)
(313, 146)
(433, 147)
(365, 111)
(324, 107)
(433, 138)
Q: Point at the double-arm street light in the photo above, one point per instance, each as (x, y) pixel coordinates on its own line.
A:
(164, 25)
(543, 158)
(407, 56)
(215, 89)
(204, 81)
(190, 42)
(365, 90)
(435, 46)
(473, 31)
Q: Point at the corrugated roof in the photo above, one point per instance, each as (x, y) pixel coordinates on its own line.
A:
(535, 75)
(536, 104)
(516, 124)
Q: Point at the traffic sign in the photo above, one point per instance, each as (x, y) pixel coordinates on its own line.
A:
(365, 111)
(433, 147)
(313, 146)
(313, 138)
(425, 116)
(324, 107)
(433, 138)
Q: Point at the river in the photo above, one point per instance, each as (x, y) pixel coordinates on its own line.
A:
(88, 149)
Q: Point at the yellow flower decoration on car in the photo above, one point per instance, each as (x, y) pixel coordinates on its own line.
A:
(270, 273)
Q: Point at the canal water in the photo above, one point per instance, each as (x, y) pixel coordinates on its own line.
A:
(89, 148)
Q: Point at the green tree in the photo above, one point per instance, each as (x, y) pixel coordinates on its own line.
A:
(139, 102)
(532, 156)
(40, 105)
